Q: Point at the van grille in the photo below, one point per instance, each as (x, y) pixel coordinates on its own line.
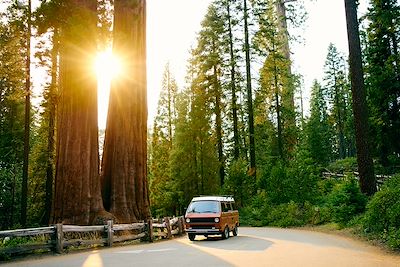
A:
(202, 220)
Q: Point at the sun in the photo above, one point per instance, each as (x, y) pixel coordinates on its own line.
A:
(107, 65)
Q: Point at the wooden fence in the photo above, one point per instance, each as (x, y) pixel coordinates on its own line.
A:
(380, 179)
(59, 237)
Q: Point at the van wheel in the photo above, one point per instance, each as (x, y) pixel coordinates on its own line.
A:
(192, 237)
(225, 234)
(235, 231)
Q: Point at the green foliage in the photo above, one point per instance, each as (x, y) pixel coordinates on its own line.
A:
(262, 212)
(286, 195)
(325, 187)
(278, 184)
(382, 217)
(12, 78)
(15, 241)
(291, 214)
(344, 165)
(163, 188)
(238, 183)
(318, 131)
(305, 176)
(273, 102)
(37, 176)
(346, 201)
(296, 182)
(10, 184)
(382, 59)
(337, 92)
(193, 161)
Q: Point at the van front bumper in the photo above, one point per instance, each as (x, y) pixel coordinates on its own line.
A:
(203, 231)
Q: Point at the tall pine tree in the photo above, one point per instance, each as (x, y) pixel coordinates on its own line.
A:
(163, 193)
(318, 130)
(336, 88)
(383, 78)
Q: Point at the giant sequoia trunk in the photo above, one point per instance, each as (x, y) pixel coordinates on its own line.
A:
(288, 89)
(124, 166)
(77, 196)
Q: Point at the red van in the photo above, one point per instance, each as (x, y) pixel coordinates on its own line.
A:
(212, 215)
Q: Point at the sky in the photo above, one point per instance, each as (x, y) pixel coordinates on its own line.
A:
(326, 24)
(173, 24)
(171, 33)
(172, 28)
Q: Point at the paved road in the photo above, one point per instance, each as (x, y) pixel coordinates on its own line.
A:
(253, 247)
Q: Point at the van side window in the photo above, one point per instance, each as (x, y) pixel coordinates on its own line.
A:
(226, 207)
(234, 206)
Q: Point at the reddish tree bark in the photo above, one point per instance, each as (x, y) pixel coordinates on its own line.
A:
(77, 196)
(124, 166)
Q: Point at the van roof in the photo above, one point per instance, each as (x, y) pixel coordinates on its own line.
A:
(214, 198)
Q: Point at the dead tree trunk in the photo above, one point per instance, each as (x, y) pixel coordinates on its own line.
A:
(124, 166)
(77, 196)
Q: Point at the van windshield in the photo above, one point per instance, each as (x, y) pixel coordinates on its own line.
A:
(205, 206)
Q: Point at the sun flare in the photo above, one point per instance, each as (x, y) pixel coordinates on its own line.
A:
(107, 65)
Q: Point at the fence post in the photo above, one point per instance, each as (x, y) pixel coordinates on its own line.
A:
(59, 238)
(180, 226)
(168, 226)
(149, 230)
(110, 233)
(183, 225)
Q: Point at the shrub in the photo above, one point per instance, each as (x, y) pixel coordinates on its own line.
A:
(393, 237)
(278, 191)
(325, 186)
(291, 214)
(321, 215)
(262, 212)
(346, 201)
(344, 165)
(296, 182)
(238, 183)
(382, 215)
(256, 213)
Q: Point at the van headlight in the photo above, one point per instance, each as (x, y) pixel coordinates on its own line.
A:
(216, 220)
(187, 220)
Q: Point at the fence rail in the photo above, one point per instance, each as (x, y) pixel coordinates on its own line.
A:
(380, 179)
(62, 236)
